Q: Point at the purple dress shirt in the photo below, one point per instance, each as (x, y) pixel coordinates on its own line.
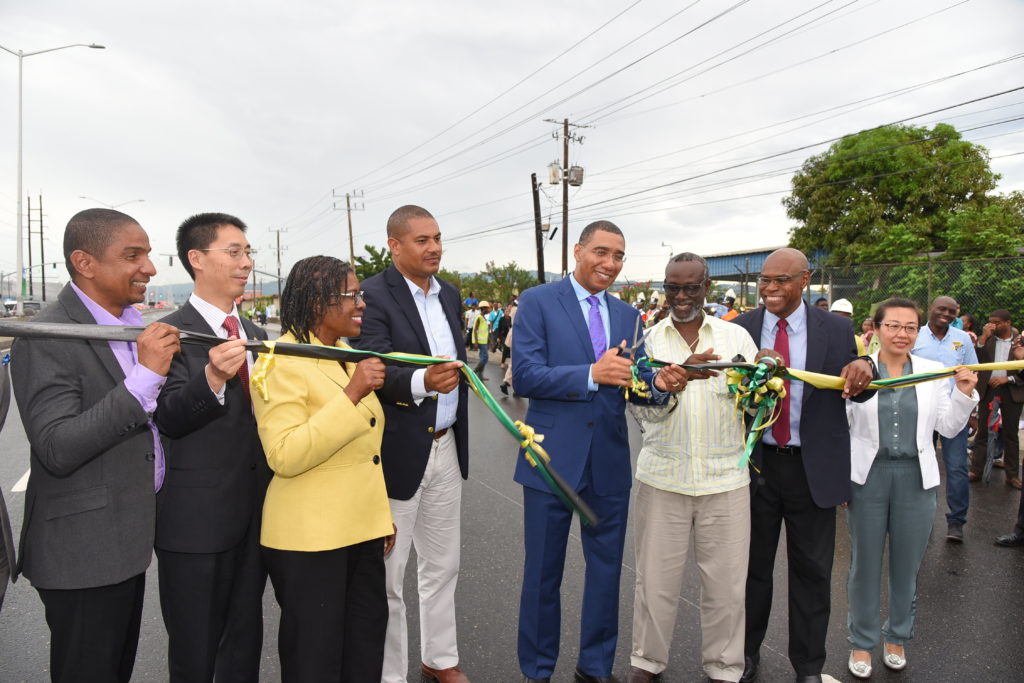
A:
(140, 381)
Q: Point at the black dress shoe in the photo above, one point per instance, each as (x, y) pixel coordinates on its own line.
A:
(504, 388)
(816, 678)
(527, 679)
(750, 665)
(587, 678)
(1011, 540)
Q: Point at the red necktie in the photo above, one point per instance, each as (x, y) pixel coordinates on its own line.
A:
(231, 325)
(780, 430)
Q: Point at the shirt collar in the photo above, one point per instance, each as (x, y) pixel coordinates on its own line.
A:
(581, 291)
(213, 316)
(129, 316)
(797, 320)
(433, 290)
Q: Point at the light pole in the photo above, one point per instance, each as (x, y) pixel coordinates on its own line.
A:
(20, 54)
(110, 206)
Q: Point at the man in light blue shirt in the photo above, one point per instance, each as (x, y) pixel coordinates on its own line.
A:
(940, 341)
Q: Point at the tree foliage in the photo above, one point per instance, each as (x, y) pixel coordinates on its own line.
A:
(377, 262)
(496, 283)
(890, 193)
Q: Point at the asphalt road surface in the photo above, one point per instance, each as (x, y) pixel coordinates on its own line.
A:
(970, 607)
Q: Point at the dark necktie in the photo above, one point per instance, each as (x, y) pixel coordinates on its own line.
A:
(231, 325)
(780, 430)
(597, 338)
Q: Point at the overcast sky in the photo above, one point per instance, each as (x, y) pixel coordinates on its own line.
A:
(267, 109)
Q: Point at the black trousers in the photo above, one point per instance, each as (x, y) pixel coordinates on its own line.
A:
(94, 632)
(334, 613)
(212, 604)
(781, 494)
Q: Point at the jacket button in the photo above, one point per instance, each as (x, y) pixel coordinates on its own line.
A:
(150, 457)
(376, 460)
(435, 397)
(590, 425)
(373, 422)
(430, 430)
(252, 466)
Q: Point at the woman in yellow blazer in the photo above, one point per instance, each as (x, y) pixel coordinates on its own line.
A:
(326, 519)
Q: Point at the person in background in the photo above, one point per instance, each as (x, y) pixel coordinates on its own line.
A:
(895, 478)
(821, 302)
(844, 308)
(326, 522)
(970, 325)
(481, 337)
(994, 345)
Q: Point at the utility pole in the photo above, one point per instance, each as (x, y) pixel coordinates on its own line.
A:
(31, 284)
(278, 249)
(42, 254)
(566, 138)
(537, 228)
(349, 208)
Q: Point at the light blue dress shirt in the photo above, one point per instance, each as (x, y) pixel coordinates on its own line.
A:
(602, 307)
(955, 348)
(797, 329)
(439, 336)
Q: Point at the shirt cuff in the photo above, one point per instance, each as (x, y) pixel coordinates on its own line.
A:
(656, 393)
(219, 395)
(591, 384)
(418, 388)
(144, 385)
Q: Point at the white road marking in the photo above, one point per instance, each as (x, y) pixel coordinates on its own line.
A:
(22, 483)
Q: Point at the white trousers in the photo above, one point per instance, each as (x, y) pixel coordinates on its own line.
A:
(430, 522)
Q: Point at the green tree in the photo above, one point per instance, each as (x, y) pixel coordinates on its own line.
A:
(378, 261)
(632, 291)
(886, 194)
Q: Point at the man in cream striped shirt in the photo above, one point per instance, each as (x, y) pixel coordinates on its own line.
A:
(691, 486)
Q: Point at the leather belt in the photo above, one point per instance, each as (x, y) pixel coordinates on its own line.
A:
(784, 450)
(439, 433)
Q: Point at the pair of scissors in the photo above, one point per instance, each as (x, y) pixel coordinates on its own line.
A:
(638, 341)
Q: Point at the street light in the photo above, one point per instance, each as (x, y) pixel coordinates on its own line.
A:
(110, 206)
(21, 230)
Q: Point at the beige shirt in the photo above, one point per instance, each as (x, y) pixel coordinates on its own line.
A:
(693, 444)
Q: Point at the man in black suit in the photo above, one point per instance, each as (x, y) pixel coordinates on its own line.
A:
(209, 511)
(8, 571)
(96, 457)
(801, 468)
(425, 451)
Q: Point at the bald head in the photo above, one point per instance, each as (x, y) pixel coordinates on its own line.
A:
(784, 275)
(786, 260)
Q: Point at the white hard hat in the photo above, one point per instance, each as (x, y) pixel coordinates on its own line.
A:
(842, 306)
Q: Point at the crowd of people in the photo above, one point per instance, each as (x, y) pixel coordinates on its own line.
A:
(324, 475)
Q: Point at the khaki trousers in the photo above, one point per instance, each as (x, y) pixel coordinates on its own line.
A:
(719, 524)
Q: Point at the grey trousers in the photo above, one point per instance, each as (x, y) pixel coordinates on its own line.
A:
(890, 503)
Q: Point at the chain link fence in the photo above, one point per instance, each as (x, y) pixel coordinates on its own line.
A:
(980, 286)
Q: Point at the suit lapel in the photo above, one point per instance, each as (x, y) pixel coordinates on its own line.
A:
(407, 305)
(816, 342)
(77, 312)
(574, 314)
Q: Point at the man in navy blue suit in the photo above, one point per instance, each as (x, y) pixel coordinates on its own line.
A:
(562, 362)
(801, 467)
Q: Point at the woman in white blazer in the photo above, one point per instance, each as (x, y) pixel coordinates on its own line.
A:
(895, 478)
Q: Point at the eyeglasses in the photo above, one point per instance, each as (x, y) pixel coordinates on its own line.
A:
(779, 280)
(689, 290)
(896, 327)
(356, 297)
(234, 252)
(603, 253)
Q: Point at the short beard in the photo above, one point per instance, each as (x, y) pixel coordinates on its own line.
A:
(688, 319)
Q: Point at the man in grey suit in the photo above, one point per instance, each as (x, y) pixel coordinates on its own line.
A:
(8, 571)
(96, 457)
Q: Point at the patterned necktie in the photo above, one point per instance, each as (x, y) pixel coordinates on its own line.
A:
(597, 338)
(231, 325)
(780, 430)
